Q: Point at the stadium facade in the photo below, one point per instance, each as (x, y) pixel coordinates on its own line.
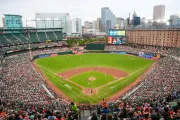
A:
(164, 36)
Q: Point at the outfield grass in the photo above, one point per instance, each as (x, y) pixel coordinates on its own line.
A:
(83, 79)
(52, 66)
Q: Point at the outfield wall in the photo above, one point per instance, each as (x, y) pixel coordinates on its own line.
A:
(51, 55)
(149, 56)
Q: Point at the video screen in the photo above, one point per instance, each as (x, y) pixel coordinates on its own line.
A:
(116, 40)
(117, 33)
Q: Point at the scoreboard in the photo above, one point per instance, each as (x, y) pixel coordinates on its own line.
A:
(116, 36)
(117, 33)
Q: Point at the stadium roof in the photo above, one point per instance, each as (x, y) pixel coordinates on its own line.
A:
(31, 29)
(154, 27)
(11, 15)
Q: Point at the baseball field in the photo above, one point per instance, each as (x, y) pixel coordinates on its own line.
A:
(92, 76)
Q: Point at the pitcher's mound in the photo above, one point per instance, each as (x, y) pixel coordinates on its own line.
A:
(91, 78)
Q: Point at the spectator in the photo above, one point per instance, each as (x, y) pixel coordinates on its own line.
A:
(94, 116)
(166, 114)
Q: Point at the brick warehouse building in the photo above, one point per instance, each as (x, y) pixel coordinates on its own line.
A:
(164, 36)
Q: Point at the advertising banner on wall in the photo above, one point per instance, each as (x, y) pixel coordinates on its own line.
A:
(44, 55)
(122, 52)
(53, 55)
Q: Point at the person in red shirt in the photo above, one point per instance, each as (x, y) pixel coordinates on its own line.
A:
(3, 114)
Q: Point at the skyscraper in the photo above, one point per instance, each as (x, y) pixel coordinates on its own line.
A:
(174, 20)
(108, 19)
(88, 25)
(94, 24)
(99, 24)
(159, 12)
(76, 26)
(119, 22)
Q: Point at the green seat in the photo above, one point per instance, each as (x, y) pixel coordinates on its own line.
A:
(22, 37)
(51, 36)
(13, 39)
(42, 36)
(4, 41)
(33, 37)
(59, 35)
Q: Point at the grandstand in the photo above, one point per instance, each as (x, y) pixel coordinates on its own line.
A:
(10, 37)
(25, 39)
(22, 87)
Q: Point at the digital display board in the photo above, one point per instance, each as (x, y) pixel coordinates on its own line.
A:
(117, 36)
(116, 40)
(117, 33)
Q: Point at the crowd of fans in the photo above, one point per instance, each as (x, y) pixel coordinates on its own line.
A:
(162, 81)
(136, 50)
(22, 87)
(49, 51)
(23, 97)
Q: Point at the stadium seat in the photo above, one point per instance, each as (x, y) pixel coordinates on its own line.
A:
(33, 37)
(59, 35)
(51, 36)
(13, 39)
(23, 38)
(4, 41)
(42, 36)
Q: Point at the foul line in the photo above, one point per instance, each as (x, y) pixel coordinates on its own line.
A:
(54, 74)
(99, 86)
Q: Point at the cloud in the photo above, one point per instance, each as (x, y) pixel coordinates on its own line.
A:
(86, 9)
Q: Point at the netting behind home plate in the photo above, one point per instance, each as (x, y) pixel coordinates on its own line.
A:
(84, 110)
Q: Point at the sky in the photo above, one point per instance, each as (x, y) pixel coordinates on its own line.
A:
(87, 10)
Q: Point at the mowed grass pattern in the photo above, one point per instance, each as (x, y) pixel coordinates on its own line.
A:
(83, 79)
(52, 66)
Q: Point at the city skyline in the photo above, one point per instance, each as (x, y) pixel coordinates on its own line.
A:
(88, 10)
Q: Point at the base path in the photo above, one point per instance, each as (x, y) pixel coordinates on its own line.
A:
(130, 86)
(111, 71)
(50, 84)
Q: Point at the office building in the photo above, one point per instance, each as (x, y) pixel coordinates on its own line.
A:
(76, 27)
(164, 36)
(108, 19)
(98, 24)
(94, 24)
(174, 20)
(11, 21)
(88, 25)
(53, 20)
(137, 21)
(159, 12)
(120, 22)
